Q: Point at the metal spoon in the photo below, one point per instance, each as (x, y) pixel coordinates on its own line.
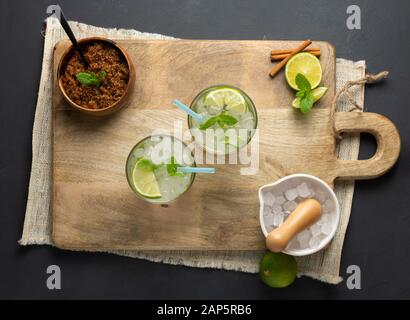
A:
(58, 12)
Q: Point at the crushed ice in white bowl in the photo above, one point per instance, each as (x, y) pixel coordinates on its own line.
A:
(279, 199)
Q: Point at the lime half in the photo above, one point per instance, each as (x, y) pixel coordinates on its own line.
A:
(306, 64)
(230, 99)
(277, 270)
(317, 94)
(145, 182)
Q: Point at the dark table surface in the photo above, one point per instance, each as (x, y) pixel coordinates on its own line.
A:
(378, 236)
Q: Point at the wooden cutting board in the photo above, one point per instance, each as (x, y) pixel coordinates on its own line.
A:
(93, 206)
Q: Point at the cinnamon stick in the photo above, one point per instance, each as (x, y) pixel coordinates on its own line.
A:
(276, 57)
(281, 64)
(287, 51)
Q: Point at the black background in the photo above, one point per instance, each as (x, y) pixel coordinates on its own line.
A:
(378, 236)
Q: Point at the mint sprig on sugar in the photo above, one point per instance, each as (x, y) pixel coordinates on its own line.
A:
(304, 93)
(222, 120)
(91, 78)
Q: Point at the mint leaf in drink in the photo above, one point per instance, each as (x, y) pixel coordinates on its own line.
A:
(172, 168)
(222, 120)
(209, 123)
(228, 120)
(146, 165)
(306, 103)
(90, 78)
(302, 82)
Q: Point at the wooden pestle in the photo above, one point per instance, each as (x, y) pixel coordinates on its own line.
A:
(307, 213)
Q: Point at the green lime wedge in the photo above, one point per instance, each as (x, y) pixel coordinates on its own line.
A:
(277, 270)
(306, 64)
(144, 181)
(317, 94)
(227, 98)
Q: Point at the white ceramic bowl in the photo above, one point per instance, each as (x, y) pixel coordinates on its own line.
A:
(292, 181)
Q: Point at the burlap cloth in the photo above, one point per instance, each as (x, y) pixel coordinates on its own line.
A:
(37, 224)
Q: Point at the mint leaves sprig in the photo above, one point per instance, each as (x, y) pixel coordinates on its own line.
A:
(172, 168)
(304, 93)
(147, 165)
(91, 78)
(223, 120)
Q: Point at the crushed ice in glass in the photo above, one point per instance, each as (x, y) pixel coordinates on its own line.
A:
(279, 204)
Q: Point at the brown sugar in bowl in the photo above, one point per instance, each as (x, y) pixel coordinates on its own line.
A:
(99, 110)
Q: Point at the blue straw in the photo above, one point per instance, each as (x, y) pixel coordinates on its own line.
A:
(188, 110)
(195, 170)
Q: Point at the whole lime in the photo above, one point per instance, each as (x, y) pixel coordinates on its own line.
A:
(277, 270)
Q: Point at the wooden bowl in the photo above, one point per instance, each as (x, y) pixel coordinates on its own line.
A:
(113, 107)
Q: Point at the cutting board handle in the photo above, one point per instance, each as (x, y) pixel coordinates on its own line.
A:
(388, 144)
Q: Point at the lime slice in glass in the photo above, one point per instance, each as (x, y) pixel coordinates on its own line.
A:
(277, 270)
(145, 182)
(306, 64)
(228, 98)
